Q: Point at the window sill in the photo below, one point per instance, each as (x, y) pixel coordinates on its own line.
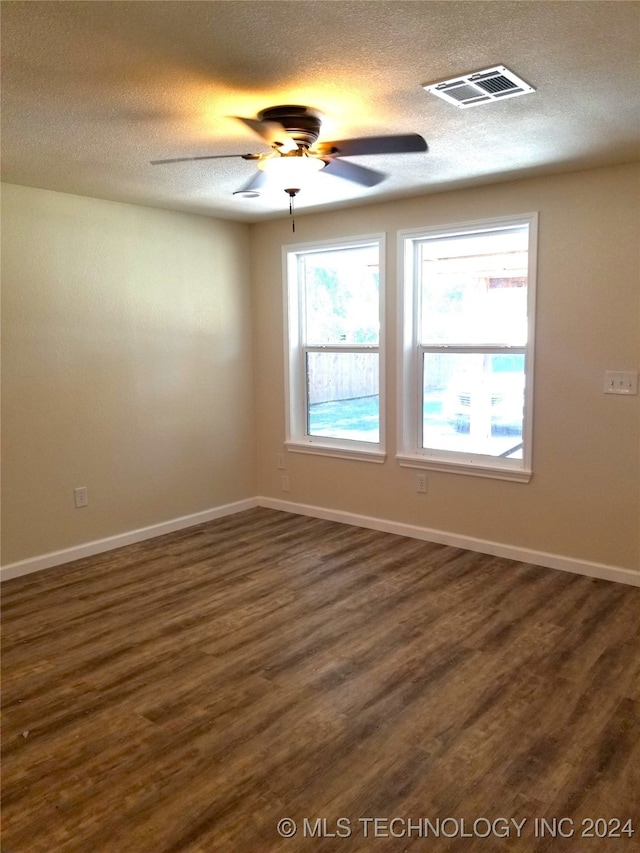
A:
(470, 469)
(318, 449)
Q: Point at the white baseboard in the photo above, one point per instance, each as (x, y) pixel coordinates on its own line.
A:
(89, 549)
(483, 546)
(442, 537)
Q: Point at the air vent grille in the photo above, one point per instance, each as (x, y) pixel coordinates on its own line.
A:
(480, 87)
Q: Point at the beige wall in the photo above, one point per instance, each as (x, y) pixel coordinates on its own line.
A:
(583, 500)
(126, 368)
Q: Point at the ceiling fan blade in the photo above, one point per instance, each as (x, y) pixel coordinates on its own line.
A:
(271, 132)
(205, 157)
(353, 173)
(254, 186)
(398, 144)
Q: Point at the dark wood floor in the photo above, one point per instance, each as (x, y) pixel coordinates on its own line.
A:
(187, 693)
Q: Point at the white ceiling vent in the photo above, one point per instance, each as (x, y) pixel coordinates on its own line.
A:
(480, 87)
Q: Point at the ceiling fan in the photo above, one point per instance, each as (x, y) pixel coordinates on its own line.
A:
(292, 131)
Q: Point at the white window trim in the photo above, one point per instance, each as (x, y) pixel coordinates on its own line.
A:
(296, 438)
(410, 454)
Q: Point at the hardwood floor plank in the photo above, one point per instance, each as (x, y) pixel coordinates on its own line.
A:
(184, 694)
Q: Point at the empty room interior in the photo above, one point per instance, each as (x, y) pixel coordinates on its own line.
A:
(320, 426)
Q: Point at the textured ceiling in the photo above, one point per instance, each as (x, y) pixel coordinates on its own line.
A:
(92, 91)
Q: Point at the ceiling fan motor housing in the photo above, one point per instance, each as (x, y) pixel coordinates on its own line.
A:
(301, 123)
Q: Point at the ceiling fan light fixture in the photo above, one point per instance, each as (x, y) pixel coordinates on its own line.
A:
(291, 170)
(292, 132)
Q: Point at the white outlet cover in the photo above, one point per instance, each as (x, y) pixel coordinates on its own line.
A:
(621, 382)
(81, 497)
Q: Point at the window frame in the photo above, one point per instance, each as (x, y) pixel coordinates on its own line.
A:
(410, 381)
(297, 437)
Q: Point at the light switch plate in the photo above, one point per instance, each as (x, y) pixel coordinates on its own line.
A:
(621, 382)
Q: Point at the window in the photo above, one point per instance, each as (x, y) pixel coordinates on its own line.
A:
(467, 366)
(333, 370)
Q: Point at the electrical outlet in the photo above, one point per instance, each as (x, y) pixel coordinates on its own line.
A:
(421, 483)
(285, 482)
(81, 496)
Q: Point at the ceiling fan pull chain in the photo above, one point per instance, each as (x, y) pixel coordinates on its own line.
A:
(292, 194)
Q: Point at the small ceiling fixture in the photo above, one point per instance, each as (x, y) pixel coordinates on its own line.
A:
(291, 169)
(480, 87)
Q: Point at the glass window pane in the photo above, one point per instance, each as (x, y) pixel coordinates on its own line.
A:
(474, 288)
(343, 395)
(341, 302)
(473, 403)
